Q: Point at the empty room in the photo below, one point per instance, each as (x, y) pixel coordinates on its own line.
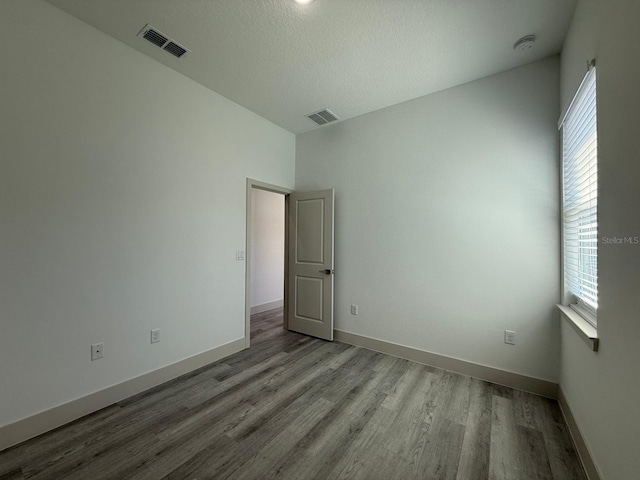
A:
(319, 239)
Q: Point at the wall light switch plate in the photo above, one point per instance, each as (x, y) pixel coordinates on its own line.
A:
(239, 254)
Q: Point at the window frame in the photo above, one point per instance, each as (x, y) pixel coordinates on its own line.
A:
(584, 308)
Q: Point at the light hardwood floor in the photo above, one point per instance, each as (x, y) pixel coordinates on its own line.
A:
(294, 407)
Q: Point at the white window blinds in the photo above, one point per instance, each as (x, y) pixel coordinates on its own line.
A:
(580, 198)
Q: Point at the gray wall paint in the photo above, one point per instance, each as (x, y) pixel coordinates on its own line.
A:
(122, 203)
(603, 388)
(267, 247)
(447, 222)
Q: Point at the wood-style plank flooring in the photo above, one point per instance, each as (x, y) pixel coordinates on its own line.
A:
(294, 407)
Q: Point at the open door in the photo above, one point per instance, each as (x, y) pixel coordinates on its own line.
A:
(310, 281)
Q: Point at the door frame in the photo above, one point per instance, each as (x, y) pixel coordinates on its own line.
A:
(258, 185)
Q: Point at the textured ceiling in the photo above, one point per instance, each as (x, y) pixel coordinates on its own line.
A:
(282, 60)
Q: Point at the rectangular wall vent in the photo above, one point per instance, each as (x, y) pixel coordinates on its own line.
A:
(161, 40)
(322, 117)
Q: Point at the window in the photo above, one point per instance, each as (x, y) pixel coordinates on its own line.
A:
(580, 200)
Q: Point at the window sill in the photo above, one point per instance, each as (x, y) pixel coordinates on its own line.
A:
(585, 330)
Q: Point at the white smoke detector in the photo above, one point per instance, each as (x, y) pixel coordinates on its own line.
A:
(525, 43)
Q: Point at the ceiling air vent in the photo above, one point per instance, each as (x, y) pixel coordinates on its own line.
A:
(164, 42)
(322, 117)
(175, 49)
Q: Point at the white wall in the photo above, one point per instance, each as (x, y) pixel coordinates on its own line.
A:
(603, 388)
(122, 203)
(267, 247)
(447, 219)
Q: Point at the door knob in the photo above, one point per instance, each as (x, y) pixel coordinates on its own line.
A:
(328, 271)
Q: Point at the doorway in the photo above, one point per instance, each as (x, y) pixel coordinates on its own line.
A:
(308, 257)
(265, 296)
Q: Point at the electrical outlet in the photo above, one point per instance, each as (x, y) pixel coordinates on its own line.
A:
(510, 337)
(155, 335)
(97, 351)
(354, 309)
(239, 254)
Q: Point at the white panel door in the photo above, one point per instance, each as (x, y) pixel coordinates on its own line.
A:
(310, 279)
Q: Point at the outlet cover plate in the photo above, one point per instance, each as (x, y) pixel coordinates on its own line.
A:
(510, 337)
(97, 351)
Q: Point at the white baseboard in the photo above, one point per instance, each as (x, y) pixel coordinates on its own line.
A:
(490, 374)
(578, 440)
(267, 306)
(18, 432)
